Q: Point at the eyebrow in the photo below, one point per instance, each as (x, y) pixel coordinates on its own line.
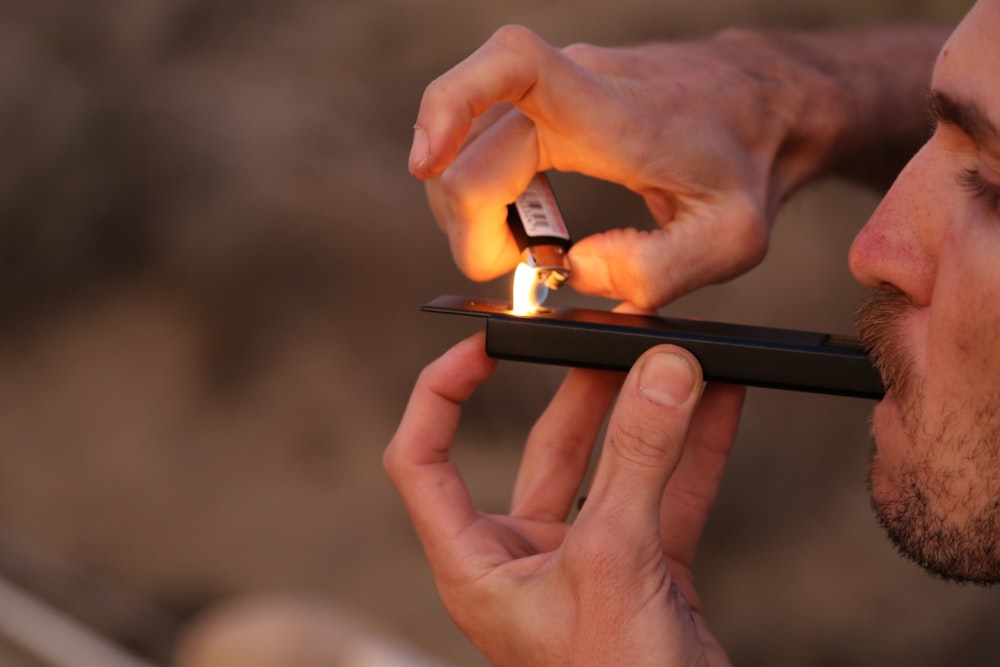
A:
(966, 115)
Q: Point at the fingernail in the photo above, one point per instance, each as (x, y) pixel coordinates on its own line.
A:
(592, 270)
(419, 151)
(667, 379)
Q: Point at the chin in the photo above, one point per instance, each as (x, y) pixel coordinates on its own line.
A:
(951, 540)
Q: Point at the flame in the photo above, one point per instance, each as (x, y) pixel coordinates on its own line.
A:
(529, 290)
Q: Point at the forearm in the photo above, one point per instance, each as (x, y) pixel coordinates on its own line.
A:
(854, 101)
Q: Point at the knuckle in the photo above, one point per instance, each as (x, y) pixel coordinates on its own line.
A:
(641, 442)
(639, 274)
(586, 55)
(516, 38)
(434, 93)
(749, 234)
(650, 277)
(750, 224)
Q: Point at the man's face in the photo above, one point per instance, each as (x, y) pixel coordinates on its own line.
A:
(932, 249)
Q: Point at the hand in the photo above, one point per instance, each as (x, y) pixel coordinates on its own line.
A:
(690, 127)
(615, 586)
(713, 134)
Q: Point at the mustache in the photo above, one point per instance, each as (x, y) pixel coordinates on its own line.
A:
(877, 322)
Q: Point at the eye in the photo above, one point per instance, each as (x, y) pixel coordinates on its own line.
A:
(980, 189)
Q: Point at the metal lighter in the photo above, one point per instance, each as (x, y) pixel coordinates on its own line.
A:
(543, 239)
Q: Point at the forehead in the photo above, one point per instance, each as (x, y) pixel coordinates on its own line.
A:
(968, 66)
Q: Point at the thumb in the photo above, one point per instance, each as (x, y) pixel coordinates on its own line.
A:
(646, 436)
(653, 267)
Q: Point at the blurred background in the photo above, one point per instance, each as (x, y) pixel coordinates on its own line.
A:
(211, 266)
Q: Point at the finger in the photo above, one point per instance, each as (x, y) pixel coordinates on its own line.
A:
(488, 119)
(557, 452)
(504, 69)
(693, 487)
(470, 198)
(645, 438)
(433, 186)
(588, 121)
(652, 268)
(417, 458)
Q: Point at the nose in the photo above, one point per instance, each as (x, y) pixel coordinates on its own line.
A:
(897, 247)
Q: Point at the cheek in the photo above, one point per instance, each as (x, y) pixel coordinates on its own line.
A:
(963, 329)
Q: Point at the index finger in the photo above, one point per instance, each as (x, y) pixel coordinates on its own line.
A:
(417, 457)
(499, 71)
(581, 112)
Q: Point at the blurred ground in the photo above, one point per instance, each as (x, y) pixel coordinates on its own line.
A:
(211, 263)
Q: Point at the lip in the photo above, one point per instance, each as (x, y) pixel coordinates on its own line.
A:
(886, 403)
(883, 427)
(885, 420)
